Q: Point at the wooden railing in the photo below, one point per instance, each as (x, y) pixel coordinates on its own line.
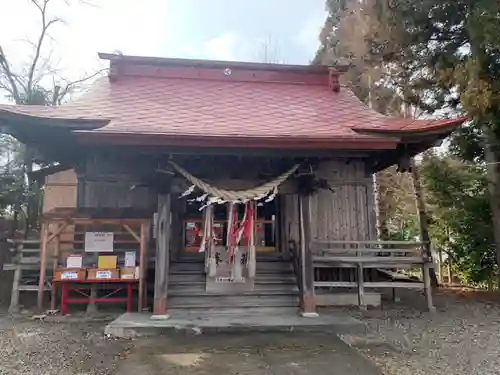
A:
(385, 256)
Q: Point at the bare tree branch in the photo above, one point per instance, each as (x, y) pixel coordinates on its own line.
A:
(73, 84)
(45, 26)
(4, 64)
(55, 94)
(7, 87)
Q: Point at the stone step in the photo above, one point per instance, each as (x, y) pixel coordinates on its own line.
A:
(233, 301)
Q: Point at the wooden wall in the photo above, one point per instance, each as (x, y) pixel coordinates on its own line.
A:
(347, 213)
(115, 181)
(60, 190)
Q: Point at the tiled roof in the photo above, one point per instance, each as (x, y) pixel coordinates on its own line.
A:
(192, 106)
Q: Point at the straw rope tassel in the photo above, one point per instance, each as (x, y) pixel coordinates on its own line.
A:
(222, 195)
(251, 245)
(212, 261)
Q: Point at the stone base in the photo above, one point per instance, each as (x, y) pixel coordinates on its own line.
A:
(189, 321)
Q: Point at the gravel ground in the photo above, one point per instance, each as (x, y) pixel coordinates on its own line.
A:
(462, 338)
(74, 347)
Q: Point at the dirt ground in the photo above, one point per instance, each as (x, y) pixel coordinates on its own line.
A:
(463, 337)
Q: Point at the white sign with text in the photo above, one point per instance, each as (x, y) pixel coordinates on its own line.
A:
(99, 242)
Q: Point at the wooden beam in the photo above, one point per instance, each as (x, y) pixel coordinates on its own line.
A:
(163, 228)
(132, 232)
(189, 151)
(57, 232)
(307, 300)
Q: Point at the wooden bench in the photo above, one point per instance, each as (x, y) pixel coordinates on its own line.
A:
(380, 255)
(78, 286)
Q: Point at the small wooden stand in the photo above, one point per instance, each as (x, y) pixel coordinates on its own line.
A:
(127, 222)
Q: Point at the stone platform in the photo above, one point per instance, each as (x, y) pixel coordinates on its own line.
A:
(194, 321)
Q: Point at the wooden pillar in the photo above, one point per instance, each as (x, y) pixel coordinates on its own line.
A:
(361, 288)
(282, 228)
(176, 230)
(427, 285)
(142, 266)
(43, 263)
(162, 257)
(306, 261)
(53, 292)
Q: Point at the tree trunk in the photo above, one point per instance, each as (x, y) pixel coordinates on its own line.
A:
(493, 175)
(423, 219)
(28, 168)
(378, 216)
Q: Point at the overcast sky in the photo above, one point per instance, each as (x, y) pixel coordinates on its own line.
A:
(209, 29)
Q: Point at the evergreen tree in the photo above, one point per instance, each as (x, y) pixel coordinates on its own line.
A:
(451, 53)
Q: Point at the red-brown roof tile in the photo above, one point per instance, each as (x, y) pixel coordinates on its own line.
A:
(206, 102)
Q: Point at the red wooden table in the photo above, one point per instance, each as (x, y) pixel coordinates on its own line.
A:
(68, 286)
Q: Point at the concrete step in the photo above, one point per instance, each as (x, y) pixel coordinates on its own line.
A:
(233, 301)
(244, 320)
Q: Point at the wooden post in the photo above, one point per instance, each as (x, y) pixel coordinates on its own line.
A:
(163, 228)
(53, 291)
(282, 225)
(14, 298)
(361, 289)
(43, 266)
(307, 300)
(428, 288)
(142, 251)
(440, 261)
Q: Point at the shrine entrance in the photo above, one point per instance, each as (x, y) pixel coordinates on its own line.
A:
(235, 253)
(265, 226)
(226, 229)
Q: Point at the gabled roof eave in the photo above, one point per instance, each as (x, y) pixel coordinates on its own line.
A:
(10, 117)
